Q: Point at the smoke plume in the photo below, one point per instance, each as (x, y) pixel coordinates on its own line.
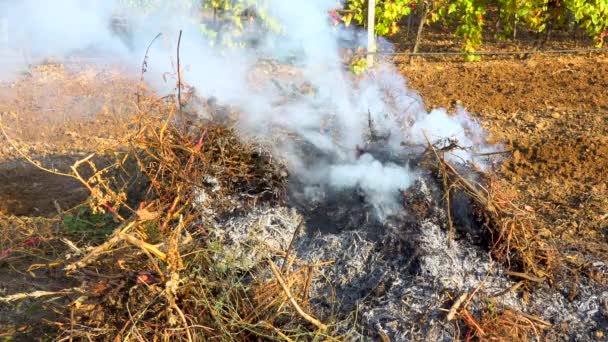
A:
(329, 110)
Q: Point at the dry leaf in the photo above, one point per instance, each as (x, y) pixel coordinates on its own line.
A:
(146, 215)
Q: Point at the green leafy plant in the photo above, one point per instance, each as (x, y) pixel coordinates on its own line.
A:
(85, 223)
(223, 22)
(228, 25)
(592, 16)
(469, 18)
(534, 15)
(468, 15)
(388, 14)
(359, 65)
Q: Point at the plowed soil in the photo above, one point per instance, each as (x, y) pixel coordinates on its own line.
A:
(510, 86)
(552, 115)
(56, 114)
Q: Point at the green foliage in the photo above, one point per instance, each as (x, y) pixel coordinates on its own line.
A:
(359, 66)
(537, 15)
(592, 16)
(471, 14)
(388, 14)
(227, 28)
(86, 224)
(223, 22)
(534, 15)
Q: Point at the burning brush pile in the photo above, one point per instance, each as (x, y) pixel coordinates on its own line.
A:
(220, 236)
(274, 201)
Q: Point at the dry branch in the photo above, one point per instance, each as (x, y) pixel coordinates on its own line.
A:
(97, 251)
(525, 276)
(294, 303)
(456, 306)
(285, 267)
(35, 294)
(515, 239)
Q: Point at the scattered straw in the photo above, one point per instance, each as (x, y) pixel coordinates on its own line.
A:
(35, 294)
(295, 304)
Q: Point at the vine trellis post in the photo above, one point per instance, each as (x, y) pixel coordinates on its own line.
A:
(371, 39)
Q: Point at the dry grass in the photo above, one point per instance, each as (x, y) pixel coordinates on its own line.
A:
(516, 240)
(174, 288)
(502, 324)
(155, 276)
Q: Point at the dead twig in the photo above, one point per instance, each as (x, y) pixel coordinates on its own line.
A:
(97, 251)
(144, 67)
(35, 294)
(143, 245)
(296, 232)
(446, 187)
(309, 275)
(179, 75)
(469, 319)
(492, 153)
(294, 303)
(525, 276)
(509, 289)
(456, 306)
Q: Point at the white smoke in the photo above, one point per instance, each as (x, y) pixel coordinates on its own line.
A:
(334, 117)
(379, 182)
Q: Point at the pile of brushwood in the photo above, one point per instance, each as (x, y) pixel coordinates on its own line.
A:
(157, 276)
(175, 266)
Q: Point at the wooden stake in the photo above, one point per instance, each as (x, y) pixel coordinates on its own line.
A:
(371, 39)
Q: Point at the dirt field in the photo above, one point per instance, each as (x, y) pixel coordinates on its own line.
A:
(550, 112)
(58, 113)
(539, 84)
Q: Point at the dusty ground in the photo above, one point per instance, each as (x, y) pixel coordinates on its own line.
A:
(553, 115)
(542, 83)
(551, 112)
(58, 113)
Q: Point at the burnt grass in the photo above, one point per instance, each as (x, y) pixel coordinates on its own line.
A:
(393, 278)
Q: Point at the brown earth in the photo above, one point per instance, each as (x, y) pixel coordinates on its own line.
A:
(57, 114)
(26, 190)
(63, 109)
(537, 84)
(552, 116)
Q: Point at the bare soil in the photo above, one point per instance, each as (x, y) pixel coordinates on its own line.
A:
(552, 116)
(57, 113)
(56, 108)
(514, 86)
(26, 190)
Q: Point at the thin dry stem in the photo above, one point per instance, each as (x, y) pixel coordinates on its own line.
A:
(294, 303)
